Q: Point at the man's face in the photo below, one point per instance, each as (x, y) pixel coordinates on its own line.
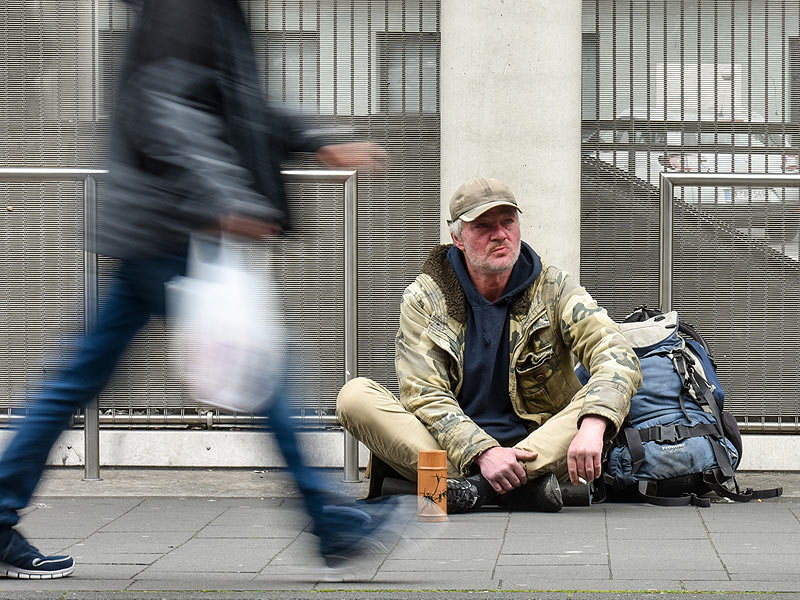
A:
(491, 242)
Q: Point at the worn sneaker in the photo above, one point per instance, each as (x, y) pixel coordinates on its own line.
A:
(542, 494)
(468, 493)
(352, 532)
(20, 560)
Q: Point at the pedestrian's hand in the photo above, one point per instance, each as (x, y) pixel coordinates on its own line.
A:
(248, 227)
(363, 156)
(502, 467)
(586, 450)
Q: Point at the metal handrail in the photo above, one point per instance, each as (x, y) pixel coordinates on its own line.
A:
(667, 183)
(89, 178)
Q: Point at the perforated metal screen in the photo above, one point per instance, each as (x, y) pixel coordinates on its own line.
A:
(699, 86)
(363, 69)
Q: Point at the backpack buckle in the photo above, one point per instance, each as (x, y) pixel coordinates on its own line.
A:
(667, 433)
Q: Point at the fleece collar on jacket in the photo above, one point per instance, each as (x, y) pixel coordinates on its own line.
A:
(438, 267)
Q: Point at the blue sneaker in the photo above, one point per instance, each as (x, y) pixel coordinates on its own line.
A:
(353, 532)
(20, 560)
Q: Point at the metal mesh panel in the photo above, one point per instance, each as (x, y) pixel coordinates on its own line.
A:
(41, 266)
(699, 86)
(358, 69)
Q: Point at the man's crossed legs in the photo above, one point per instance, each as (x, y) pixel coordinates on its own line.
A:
(374, 416)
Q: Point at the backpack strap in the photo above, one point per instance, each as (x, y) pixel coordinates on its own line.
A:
(720, 453)
(682, 362)
(634, 442)
(692, 380)
(648, 491)
(676, 432)
(716, 481)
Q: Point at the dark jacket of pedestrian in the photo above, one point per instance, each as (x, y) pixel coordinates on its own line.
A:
(194, 138)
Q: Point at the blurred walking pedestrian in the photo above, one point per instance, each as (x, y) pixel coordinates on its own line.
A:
(194, 146)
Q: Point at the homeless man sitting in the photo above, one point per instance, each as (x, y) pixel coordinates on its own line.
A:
(484, 359)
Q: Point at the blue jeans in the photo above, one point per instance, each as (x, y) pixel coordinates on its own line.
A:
(137, 293)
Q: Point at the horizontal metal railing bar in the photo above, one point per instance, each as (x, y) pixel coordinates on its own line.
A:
(298, 175)
(69, 174)
(704, 126)
(734, 179)
(768, 427)
(46, 174)
(746, 426)
(198, 419)
(685, 149)
(667, 183)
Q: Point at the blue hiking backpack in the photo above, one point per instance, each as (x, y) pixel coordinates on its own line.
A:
(677, 443)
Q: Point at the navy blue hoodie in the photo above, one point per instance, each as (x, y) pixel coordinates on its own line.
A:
(484, 393)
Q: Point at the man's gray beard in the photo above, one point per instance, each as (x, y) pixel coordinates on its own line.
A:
(485, 266)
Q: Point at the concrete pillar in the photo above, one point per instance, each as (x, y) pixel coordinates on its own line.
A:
(511, 109)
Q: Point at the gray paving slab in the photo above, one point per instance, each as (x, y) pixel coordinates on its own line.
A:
(637, 509)
(307, 574)
(447, 547)
(756, 543)
(297, 551)
(656, 527)
(663, 555)
(578, 558)
(526, 522)
(575, 543)
(201, 582)
(264, 512)
(53, 545)
(570, 521)
(683, 574)
(444, 563)
(72, 518)
(772, 563)
(8, 587)
(528, 576)
(253, 530)
(429, 580)
(123, 572)
(168, 514)
(294, 579)
(233, 555)
(763, 517)
(469, 527)
(118, 542)
(121, 558)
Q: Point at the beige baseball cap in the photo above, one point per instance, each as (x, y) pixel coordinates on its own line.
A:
(476, 196)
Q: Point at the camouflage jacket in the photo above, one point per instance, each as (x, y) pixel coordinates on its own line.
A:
(554, 319)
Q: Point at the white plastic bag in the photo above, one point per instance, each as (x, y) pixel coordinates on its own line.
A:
(226, 329)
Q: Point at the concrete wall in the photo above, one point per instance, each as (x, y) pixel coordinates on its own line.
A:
(181, 448)
(253, 449)
(511, 109)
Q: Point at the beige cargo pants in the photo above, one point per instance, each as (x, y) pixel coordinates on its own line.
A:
(375, 417)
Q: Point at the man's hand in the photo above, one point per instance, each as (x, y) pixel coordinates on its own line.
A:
(248, 227)
(586, 450)
(501, 467)
(364, 156)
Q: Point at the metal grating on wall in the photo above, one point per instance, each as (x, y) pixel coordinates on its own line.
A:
(699, 86)
(361, 69)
